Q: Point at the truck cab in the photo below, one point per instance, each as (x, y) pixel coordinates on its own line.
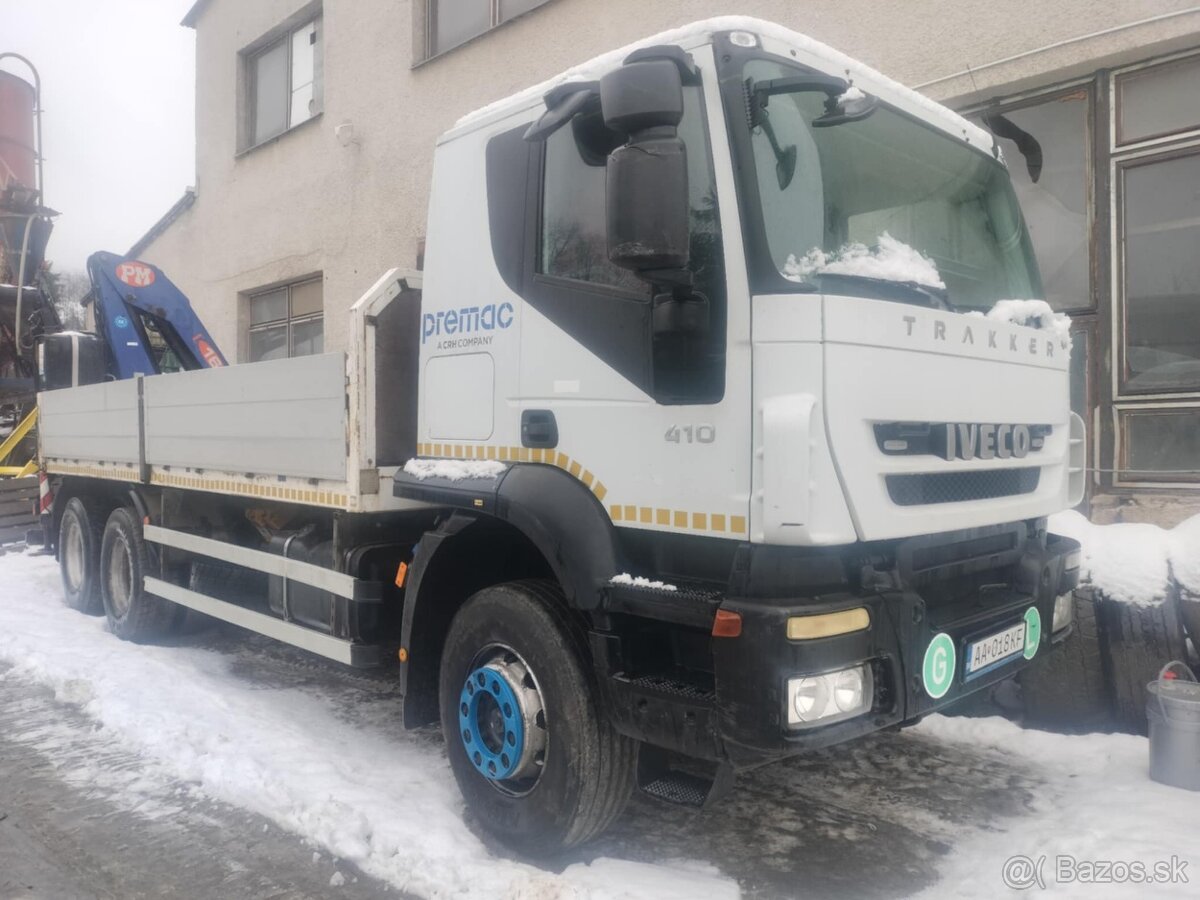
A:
(790, 388)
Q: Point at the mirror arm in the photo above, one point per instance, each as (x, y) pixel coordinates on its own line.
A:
(797, 84)
(563, 103)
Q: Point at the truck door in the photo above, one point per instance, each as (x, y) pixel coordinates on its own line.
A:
(656, 424)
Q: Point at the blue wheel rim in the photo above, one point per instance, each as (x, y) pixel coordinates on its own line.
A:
(490, 723)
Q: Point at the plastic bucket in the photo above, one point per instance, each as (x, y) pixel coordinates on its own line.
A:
(1174, 713)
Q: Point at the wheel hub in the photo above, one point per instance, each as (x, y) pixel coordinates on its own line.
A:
(501, 719)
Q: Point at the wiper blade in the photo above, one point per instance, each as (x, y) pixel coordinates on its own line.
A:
(886, 289)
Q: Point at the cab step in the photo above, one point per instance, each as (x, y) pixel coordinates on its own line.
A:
(660, 779)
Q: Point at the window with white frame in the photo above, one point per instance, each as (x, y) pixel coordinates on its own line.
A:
(283, 82)
(449, 23)
(287, 321)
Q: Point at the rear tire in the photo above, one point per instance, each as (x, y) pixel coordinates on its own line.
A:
(1139, 641)
(80, 534)
(133, 615)
(583, 774)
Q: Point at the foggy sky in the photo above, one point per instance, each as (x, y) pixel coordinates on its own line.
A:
(118, 92)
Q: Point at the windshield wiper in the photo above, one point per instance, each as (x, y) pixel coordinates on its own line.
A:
(885, 289)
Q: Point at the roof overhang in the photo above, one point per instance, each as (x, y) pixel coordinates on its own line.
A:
(189, 20)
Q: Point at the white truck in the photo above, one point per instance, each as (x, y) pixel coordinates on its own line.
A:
(689, 449)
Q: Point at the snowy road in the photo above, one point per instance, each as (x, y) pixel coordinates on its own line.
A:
(228, 728)
(65, 837)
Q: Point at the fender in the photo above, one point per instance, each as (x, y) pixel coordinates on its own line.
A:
(529, 509)
(556, 512)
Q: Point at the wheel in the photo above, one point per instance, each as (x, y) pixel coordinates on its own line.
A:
(133, 615)
(1066, 688)
(79, 537)
(535, 759)
(1139, 641)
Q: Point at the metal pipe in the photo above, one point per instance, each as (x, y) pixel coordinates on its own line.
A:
(1063, 43)
(21, 281)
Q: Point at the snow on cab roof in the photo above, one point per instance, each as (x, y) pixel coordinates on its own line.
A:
(697, 33)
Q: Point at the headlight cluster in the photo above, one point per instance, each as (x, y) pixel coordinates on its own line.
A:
(831, 697)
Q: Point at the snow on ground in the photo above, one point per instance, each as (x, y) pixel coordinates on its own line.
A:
(889, 260)
(1104, 810)
(393, 811)
(985, 789)
(1134, 562)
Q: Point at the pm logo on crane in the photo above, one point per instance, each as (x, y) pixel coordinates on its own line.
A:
(135, 274)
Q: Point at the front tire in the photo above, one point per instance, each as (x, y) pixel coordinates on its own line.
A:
(133, 615)
(534, 757)
(80, 534)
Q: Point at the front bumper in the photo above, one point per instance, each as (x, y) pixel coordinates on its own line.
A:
(751, 671)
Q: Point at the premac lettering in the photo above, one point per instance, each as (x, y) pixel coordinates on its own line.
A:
(466, 320)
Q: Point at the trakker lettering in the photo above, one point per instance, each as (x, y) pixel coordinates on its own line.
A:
(466, 320)
(977, 334)
(970, 441)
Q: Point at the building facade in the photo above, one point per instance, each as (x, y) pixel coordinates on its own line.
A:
(316, 123)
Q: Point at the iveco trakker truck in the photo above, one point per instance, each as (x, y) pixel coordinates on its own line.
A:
(698, 443)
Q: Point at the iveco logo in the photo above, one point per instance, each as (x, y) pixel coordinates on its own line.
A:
(969, 441)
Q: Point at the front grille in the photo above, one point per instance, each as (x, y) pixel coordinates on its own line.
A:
(956, 487)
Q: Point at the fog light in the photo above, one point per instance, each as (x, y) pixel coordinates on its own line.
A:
(1064, 612)
(830, 697)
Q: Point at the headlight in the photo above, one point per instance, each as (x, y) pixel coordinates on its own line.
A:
(831, 697)
(1074, 558)
(1064, 612)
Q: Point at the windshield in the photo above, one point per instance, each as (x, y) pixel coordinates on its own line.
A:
(865, 207)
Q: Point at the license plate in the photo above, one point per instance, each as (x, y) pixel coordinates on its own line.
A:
(995, 647)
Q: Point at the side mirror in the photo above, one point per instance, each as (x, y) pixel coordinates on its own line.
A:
(647, 185)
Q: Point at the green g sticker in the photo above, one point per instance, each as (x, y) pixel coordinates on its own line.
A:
(938, 670)
(1033, 631)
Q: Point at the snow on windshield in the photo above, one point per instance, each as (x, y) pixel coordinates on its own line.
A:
(888, 260)
(1031, 314)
